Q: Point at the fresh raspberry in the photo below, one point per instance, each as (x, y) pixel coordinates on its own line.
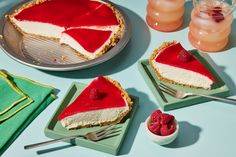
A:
(217, 9)
(184, 56)
(218, 16)
(167, 130)
(156, 116)
(154, 128)
(94, 94)
(166, 118)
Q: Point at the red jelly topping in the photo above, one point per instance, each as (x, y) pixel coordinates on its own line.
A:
(111, 98)
(89, 39)
(64, 12)
(170, 54)
(101, 16)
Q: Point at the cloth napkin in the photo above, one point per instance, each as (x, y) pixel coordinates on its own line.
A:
(21, 100)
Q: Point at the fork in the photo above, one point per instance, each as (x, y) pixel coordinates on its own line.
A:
(93, 136)
(182, 94)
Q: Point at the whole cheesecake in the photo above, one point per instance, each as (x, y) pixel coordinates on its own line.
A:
(102, 102)
(90, 27)
(173, 64)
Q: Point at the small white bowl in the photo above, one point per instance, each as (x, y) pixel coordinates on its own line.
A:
(161, 140)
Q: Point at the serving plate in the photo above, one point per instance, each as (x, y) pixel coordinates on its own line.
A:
(111, 145)
(48, 54)
(168, 102)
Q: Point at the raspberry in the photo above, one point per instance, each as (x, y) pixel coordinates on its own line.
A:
(184, 56)
(94, 94)
(154, 128)
(218, 16)
(217, 10)
(166, 118)
(156, 116)
(167, 130)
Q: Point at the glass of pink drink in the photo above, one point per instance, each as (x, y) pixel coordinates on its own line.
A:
(210, 24)
(165, 15)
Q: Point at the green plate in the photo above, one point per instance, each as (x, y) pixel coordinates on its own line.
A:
(54, 129)
(168, 102)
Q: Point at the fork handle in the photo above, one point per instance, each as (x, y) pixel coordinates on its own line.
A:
(216, 98)
(50, 142)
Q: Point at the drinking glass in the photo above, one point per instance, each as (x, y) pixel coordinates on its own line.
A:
(210, 24)
(165, 15)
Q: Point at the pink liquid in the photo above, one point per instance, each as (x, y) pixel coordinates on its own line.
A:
(165, 15)
(210, 26)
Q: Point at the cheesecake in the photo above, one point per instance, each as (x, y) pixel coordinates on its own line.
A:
(173, 64)
(102, 102)
(82, 40)
(67, 21)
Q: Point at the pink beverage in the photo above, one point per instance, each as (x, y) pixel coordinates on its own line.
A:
(210, 25)
(165, 15)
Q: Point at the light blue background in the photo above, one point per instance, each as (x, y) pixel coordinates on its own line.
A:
(206, 129)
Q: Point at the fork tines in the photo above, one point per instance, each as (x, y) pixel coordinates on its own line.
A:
(108, 131)
(104, 128)
(167, 89)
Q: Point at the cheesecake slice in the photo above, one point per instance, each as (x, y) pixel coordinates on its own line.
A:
(173, 64)
(60, 19)
(83, 41)
(102, 102)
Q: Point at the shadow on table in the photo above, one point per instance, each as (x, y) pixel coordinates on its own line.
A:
(229, 82)
(187, 14)
(232, 39)
(221, 72)
(49, 150)
(188, 135)
(135, 48)
(5, 5)
(145, 108)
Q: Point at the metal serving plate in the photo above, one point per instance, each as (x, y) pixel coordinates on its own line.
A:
(48, 54)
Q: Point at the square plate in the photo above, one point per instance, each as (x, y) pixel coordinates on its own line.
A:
(54, 129)
(168, 102)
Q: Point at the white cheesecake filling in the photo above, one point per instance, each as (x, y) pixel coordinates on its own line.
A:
(183, 76)
(94, 117)
(39, 28)
(68, 40)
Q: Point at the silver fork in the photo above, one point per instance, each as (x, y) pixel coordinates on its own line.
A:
(93, 136)
(182, 94)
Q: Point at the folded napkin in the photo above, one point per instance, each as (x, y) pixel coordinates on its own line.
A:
(21, 100)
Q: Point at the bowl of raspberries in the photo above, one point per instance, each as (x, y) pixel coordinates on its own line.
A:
(162, 128)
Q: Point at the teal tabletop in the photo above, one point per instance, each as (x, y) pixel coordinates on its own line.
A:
(206, 129)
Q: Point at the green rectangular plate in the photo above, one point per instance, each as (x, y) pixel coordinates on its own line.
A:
(54, 129)
(168, 102)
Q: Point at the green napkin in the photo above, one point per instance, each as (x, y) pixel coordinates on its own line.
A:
(22, 112)
(14, 96)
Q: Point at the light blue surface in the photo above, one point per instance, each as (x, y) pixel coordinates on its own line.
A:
(206, 129)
